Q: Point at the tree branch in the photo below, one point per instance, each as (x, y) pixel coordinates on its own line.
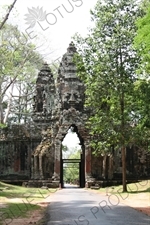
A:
(7, 15)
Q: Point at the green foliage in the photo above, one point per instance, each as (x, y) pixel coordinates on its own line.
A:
(142, 85)
(71, 170)
(54, 67)
(107, 63)
(142, 39)
(16, 51)
(19, 64)
(64, 148)
(142, 115)
(2, 125)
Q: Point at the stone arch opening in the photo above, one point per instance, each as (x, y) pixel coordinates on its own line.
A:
(73, 166)
(71, 143)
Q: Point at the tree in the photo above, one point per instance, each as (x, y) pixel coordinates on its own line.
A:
(109, 74)
(142, 85)
(19, 62)
(22, 99)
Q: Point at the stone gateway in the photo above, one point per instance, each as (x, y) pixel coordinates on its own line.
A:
(32, 153)
(59, 105)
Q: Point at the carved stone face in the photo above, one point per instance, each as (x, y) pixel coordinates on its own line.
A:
(72, 98)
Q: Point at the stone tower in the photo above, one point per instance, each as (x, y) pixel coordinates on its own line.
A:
(70, 87)
(44, 99)
(42, 162)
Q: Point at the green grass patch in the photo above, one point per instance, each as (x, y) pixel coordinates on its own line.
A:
(24, 200)
(14, 191)
(138, 187)
(16, 210)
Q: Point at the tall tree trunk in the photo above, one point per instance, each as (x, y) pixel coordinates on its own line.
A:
(123, 149)
(19, 104)
(1, 112)
(25, 105)
(9, 103)
(123, 152)
(104, 165)
(1, 105)
(122, 107)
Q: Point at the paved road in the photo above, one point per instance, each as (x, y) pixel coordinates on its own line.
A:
(75, 206)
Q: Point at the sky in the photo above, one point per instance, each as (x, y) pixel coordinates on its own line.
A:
(71, 140)
(58, 21)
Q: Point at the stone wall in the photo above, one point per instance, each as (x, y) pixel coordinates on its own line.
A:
(110, 166)
(17, 143)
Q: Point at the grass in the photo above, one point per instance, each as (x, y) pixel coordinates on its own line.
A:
(133, 188)
(18, 201)
(15, 210)
(13, 191)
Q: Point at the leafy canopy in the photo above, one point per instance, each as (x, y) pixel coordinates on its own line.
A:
(107, 63)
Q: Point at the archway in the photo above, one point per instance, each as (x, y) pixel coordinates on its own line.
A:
(72, 172)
